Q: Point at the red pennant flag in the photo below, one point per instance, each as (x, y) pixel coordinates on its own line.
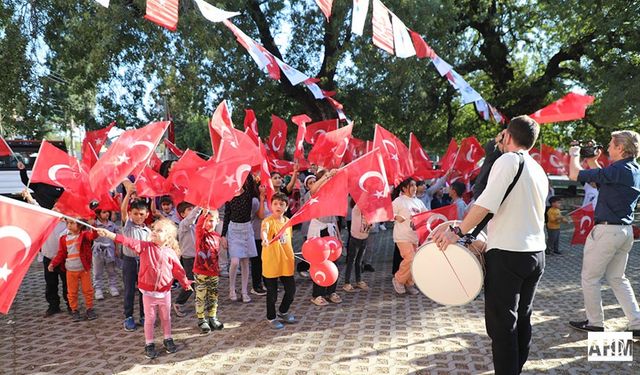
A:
(331, 147)
(336, 105)
(571, 107)
(23, 230)
(583, 222)
(301, 121)
(151, 184)
(422, 48)
(357, 147)
(278, 136)
(163, 12)
(422, 164)
(173, 148)
(329, 200)
(369, 188)
(55, 167)
(132, 149)
(449, 157)
(470, 153)
(325, 7)
(315, 129)
(426, 222)
(5, 150)
(92, 144)
(554, 161)
(396, 156)
(251, 125)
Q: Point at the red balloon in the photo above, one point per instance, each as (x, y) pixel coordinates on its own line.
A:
(335, 247)
(324, 274)
(314, 250)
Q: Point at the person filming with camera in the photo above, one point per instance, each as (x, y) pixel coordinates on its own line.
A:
(607, 248)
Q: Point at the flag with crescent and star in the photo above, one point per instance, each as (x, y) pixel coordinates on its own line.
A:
(301, 121)
(421, 162)
(583, 222)
(173, 148)
(55, 167)
(316, 128)
(331, 147)
(92, 144)
(396, 156)
(278, 136)
(469, 154)
(425, 222)
(251, 125)
(23, 230)
(151, 184)
(369, 188)
(554, 161)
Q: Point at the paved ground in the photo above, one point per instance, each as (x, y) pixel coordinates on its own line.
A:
(373, 332)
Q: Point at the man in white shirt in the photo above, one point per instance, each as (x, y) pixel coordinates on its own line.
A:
(515, 259)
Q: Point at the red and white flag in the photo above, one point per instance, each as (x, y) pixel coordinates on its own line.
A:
(163, 12)
(75, 204)
(357, 147)
(315, 129)
(442, 66)
(5, 150)
(583, 222)
(470, 153)
(359, 16)
(330, 148)
(183, 169)
(220, 129)
(301, 121)
(396, 156)
(265, 60)
(422, 164)
(132, 149)
(382, 27)
(92, 144)
(554, 161)
(278, 136)
(426, 222)
(173, 148)
(449, 157)
(336, 105)
(55, 167)
(421, 47)
(212, 13)
(293, 75)
(23, 230)
(151, 184)
(251, 125)
(369, 188)
(265, 175)
(570, 107)
(402, 39)
(325, 7)
(284, 167)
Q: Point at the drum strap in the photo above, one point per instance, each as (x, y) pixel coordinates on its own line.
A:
(487, 218)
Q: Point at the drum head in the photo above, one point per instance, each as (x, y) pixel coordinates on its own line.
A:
(453, 277)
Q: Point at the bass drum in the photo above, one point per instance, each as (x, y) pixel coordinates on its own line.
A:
(453, 277)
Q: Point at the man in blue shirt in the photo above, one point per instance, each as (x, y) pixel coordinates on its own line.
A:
(607, 248)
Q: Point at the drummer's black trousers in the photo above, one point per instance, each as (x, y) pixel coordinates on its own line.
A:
(509, 287)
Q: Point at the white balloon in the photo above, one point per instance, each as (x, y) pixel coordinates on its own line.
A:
(19, 234)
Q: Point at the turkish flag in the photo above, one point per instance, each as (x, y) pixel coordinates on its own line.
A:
(330, 148)
(535, 155)
(422, 48)
(583, 223)
(75, 204)
(284, 167)
(301, 121)
(220, 128)
(336, 105)
(132, 149)
(329, 200)
(173, 148)
(151, 184)
(422, 164)
(154, 162)
(110, 203)
(5, 150)
(357, 147)
(469, 155)
(278, 136)
(23, 230)
(426, 222)
(571, 107)
(251, 125)
(163, 12)
(265, 175)
(181, 171)
(449, 157)
(217, 183)
(396, 156)
(92, 144)
(265, 60)
(554, 161)
(315, 129)
(55, 167)
(369, 188)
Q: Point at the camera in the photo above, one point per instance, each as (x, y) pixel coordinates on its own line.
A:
(587, 147)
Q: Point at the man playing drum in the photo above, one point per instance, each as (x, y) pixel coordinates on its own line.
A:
(515, 242)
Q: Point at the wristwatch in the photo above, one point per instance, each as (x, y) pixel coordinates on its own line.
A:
(457, 231)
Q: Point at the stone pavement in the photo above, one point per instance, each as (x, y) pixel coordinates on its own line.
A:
(374, 332)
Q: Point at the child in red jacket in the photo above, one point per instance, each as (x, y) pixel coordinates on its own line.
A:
(74, 255)
(205, 271)
(159, 265)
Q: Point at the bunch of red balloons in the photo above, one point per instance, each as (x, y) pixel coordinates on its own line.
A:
(321, 252)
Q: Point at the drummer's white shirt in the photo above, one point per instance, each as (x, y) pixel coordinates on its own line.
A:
(517, 224)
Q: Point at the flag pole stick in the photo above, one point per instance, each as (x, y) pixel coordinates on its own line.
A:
(78, 221)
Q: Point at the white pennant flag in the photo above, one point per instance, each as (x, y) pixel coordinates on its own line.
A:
(402, 39)
(359, 16)
(214, 14)
(442, 66)
(294, 75)
(104, 3)
(469, 95)
(315, 90)
(483, 109)
(382, 28)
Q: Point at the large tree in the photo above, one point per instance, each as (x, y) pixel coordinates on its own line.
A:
(76, 62)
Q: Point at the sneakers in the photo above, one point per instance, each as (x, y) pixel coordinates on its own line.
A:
(233, 296)
(51, 311)
(204, 325)
(275, 324)
(349, 288)
(215, 324)
(335, 298)
(114, 291)
(319, 301)
(179, 309)
(150, 350)
(585, 327)
(130, 325)
(75, 316)
(411, 289)
(362, 285)
(260, 291)
(91, 314)
(368, 268)
(287, 318)
(246, 298)
(399, 288)
(99, 294)
(169, 346)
